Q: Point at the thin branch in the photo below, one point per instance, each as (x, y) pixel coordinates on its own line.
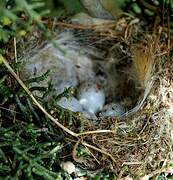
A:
(2, 59)
(99, 150)
(33, 98)
(84, 27)
(15, 55)
(95, 132)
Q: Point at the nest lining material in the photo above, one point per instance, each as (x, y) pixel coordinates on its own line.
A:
(110, 74)
(142, 140)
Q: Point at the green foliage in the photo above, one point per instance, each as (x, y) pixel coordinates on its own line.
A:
(149, 8)
(17, 17)
(30, 144)
(63, 7)
(72, 6)
(31, 147)
(26, 156)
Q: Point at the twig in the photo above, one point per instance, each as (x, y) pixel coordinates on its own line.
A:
(132, 163)
(2, 59)
(93, 155)
(157, 172)
(99, 150)
(84, 27)
(15, 54)
(78, 160)
(92, 147)
(95, 132)
(33, 98)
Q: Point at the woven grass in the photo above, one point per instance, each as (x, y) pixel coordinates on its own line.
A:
(140, 143)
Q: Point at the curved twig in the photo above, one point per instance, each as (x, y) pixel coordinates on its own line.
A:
(2, 60)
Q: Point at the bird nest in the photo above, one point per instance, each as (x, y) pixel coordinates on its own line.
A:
(139, 142)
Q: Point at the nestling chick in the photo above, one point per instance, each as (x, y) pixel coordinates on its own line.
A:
(71, 104)
(112, 110)
(91, 97)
